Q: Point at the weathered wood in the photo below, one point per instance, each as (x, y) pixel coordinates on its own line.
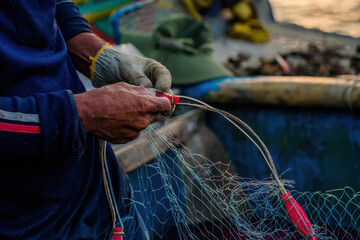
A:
(138, 152)
(290, 91)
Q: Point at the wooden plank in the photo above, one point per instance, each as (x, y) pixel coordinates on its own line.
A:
(138, 152)
(290, 91)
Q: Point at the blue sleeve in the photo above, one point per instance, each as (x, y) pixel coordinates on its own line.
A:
(40, 127)
(70, 20)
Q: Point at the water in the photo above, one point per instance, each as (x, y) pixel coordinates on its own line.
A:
(340, 16)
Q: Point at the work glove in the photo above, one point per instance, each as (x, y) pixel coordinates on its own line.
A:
(111, 66)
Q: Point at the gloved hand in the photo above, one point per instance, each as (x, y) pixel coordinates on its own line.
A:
(111, 66)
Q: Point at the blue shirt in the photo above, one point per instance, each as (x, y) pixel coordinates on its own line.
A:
(51, 185)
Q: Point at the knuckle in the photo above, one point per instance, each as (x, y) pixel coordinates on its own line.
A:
(154, 66)
(149, 106)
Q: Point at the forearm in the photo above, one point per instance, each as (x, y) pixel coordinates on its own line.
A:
(81, 42)
(81, 47)
(43, 126)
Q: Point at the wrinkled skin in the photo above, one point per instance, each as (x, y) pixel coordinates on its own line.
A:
(118, 112)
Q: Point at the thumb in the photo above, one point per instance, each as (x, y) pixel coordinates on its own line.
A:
(162, 104)
(163, 81)
(159, 75)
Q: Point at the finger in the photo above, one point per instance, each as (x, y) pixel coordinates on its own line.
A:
(125, 135)
(139, 79)
(161, 104)
(155, 117)
(143, 122)
(159, 75)
(136, 135)
(136, 89)
(169, 92)
(144, 82)
(124, 140)
(163, 82)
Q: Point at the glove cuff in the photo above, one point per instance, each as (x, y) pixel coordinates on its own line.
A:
(94, 67)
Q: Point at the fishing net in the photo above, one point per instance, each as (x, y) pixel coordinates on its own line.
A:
(184, 195)
(205, 198)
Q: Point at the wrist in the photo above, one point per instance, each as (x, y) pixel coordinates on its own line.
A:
(97, 62)
(81, 47)
(105, 67)
(83, 109)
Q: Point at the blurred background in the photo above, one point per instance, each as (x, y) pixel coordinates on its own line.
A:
(327, 15)
(298, 88)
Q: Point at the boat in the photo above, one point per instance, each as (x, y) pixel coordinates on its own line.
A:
(309, 123)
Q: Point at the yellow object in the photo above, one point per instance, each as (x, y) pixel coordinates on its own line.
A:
(79, 1)
(250, 30)
(92, 17)
(190, 6)
(203, 3)
(193, 7)
(163, 4)
(245, 24)
(93, 61)
(242, 10)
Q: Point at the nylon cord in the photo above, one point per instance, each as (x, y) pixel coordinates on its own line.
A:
(236, 122)
(108, 186)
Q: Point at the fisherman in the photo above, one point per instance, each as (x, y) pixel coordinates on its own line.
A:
(51, 184)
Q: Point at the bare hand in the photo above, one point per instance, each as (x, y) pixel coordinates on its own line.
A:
(118, 112)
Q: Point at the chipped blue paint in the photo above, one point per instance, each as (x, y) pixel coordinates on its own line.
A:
(319, 149)
(199, 91)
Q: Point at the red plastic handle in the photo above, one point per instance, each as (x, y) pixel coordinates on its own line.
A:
(298, 216)
(173, 99)
(117, 234)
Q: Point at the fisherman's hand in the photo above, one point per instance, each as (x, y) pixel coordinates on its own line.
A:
(111, 66)
(118, 112)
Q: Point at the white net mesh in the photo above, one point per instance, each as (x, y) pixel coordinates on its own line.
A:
(188, 196)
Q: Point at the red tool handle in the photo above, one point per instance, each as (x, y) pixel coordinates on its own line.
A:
(172, 98)
(117, 234)
(298, 216)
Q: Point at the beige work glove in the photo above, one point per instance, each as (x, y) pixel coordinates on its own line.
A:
(111, 66)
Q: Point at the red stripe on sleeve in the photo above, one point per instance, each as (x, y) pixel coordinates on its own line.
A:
(19, 128)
